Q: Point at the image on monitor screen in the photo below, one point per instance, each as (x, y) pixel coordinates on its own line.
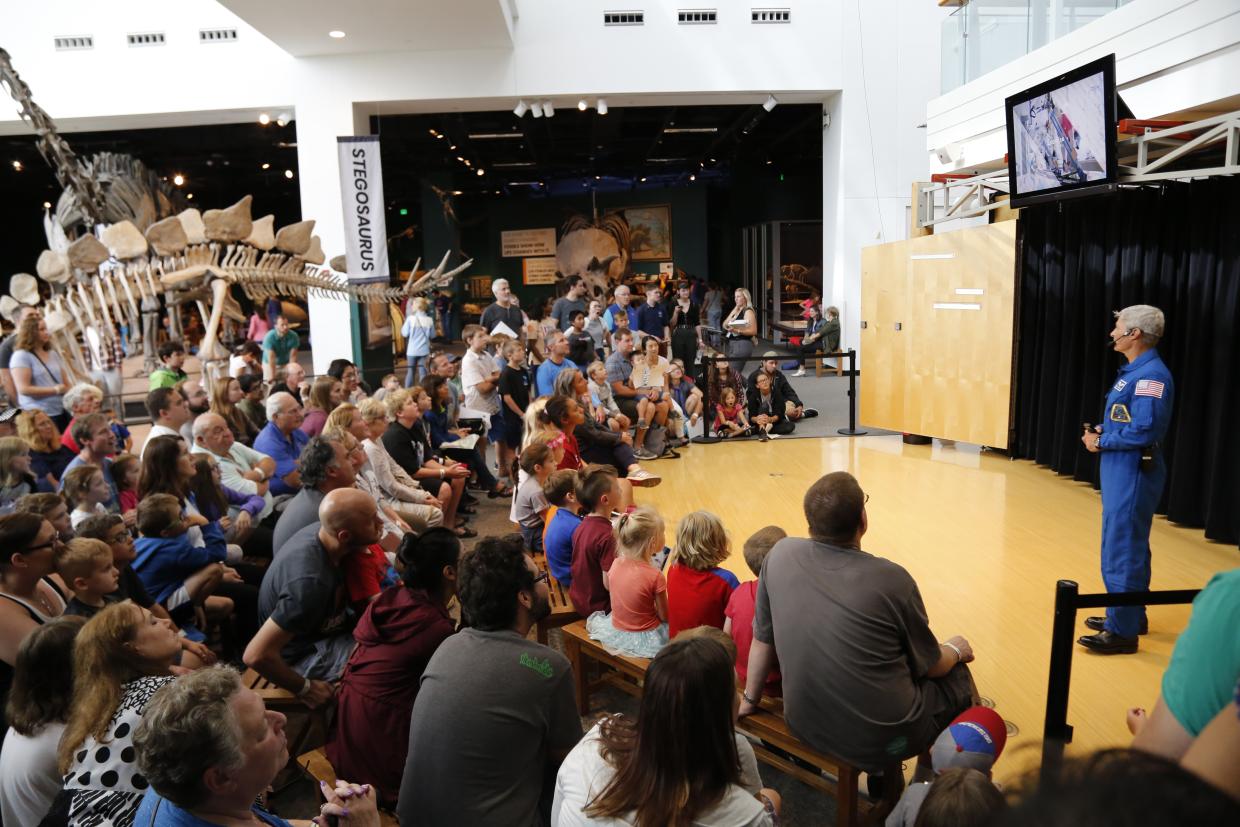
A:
(1061, 136)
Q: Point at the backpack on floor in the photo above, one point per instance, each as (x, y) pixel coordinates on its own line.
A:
(657, 442)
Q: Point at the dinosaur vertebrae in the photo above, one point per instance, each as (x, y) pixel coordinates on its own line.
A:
(262, 275)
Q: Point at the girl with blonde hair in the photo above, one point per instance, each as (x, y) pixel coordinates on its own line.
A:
(122, 657)
(637, 623)
(698, 589)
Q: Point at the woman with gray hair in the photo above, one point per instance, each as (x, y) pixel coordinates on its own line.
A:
(209, 747)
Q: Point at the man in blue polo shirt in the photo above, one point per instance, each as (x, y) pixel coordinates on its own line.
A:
(282, 440)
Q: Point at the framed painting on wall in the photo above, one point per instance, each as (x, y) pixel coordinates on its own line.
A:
(650, 232)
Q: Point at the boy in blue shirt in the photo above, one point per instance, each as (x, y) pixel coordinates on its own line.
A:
(560, 489)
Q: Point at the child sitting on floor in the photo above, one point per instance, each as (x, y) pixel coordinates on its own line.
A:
(87, 491)
(86, 567)
(529, 505)
(697, 589)
(730, 418)
(560, 489)
(740, 609)
(637, 623)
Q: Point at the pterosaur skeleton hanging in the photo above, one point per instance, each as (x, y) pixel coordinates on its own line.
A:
(116, 242)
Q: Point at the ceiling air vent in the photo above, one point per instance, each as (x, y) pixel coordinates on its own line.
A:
(70, 44)
(697, 17)
(217, 35)
(624, 18)
(147, 39)
(770, 15)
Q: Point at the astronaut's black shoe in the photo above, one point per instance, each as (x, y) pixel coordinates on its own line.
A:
(1099, 624)
(1109, 643)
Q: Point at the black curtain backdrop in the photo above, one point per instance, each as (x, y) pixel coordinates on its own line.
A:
(1175, 246)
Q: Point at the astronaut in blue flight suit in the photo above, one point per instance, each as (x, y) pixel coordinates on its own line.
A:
(1134, 425)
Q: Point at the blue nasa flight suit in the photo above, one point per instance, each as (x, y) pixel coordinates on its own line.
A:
(1136, 416)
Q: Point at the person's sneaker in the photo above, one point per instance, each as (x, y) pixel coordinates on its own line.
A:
(643, 478)
(809, 413)
(763, 436)
(642, 453)
(800, 371)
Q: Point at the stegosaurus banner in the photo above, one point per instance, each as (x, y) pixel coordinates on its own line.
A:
(365, 227)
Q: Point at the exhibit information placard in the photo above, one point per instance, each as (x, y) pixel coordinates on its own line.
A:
(361, 188)
(523, 243)
(538, 270)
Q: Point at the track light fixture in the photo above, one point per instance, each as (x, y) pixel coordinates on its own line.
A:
(602, 106)
(770, 103)
(548, 109)
(520, 109)
(582, 105)
(536, 109)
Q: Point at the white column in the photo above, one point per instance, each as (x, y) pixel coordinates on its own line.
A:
(320, 119)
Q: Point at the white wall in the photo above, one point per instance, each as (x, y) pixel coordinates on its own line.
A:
(874, 150)
(560, 49)
(1171, 55)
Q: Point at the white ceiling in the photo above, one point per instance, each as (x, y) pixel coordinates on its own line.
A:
(300, 27)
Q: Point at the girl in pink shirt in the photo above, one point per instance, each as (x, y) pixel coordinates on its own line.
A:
(637, 624)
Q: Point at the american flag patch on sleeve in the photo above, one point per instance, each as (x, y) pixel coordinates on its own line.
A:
(1148, 387)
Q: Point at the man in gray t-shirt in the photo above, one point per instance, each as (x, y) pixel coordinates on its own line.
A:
(864, 678)
(495, 713)
(563, 307)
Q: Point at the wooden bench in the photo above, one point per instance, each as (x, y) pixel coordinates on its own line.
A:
(562, 611)
(774, 741)
(839, 355)
(315, 763)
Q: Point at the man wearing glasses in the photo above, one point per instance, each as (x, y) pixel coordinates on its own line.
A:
(864, 677)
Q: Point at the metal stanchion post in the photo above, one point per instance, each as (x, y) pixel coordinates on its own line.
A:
(1057, 733)
(851, 430)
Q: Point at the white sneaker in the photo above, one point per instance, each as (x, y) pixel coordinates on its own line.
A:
(643, 478)
(800, 371)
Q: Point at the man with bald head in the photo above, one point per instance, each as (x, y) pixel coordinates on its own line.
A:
(307, 623)
(241, 468)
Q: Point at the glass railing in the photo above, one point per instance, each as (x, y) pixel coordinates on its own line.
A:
(983, 35)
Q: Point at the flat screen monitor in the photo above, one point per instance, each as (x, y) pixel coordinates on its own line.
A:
(1061, 136)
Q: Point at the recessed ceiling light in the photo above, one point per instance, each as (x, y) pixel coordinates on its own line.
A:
(178, 179)
(189, 197)
(692, 177)
(264, 119)
(336, 33)
(17, 166)
(452, 148)
(47, 205)
(643, 179)
(288, 173)
(481, 172)
(457, 192)
(434, 134)
(266, 166)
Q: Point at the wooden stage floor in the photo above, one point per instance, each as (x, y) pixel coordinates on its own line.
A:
(986, 539)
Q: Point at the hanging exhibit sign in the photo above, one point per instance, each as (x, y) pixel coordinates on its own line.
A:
(538, 270)
(361, 189)
(523, 243)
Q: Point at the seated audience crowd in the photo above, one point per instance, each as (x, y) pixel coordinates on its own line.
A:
(312, 532)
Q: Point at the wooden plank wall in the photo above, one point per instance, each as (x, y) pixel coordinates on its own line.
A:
(945, 372)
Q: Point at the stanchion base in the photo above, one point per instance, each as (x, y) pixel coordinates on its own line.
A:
(706, 440)
(851, 432)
